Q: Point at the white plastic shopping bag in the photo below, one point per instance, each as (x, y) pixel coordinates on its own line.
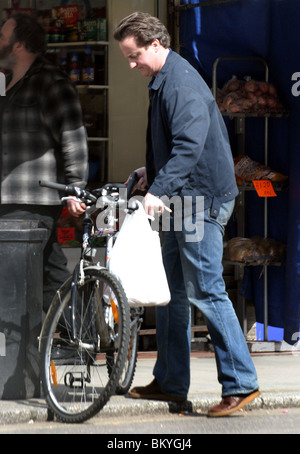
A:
(136, 260)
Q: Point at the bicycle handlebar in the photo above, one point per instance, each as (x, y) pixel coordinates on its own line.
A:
(69, 189)
(131, 182)
(86, 195)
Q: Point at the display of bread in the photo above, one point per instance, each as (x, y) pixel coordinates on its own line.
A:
(246, 170)
(248, 96)
(257, 250)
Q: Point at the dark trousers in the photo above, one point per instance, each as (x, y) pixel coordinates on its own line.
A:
(55, 262)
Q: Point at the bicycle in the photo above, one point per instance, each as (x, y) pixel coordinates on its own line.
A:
(136, 313)
(88, 341)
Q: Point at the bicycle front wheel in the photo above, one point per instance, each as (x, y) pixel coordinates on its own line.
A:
(75, 343)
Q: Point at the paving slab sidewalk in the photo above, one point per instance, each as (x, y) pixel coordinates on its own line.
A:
(278, 376)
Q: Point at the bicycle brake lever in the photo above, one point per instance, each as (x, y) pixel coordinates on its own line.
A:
(72, 198)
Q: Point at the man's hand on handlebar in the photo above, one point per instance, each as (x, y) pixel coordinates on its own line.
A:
(76, 209)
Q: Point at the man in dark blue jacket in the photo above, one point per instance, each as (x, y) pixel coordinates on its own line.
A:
(188, 160)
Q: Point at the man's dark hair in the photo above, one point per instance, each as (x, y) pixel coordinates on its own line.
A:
(144, 28)
(30, 32)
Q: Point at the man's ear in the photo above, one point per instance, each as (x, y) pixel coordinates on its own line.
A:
(18, 47)
(155, 44)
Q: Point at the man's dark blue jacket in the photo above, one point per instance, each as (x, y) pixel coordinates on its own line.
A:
(188, 151)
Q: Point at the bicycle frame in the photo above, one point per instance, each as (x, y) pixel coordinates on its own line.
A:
(86, 263)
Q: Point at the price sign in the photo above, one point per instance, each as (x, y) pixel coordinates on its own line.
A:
(264, 188)
(65, 234)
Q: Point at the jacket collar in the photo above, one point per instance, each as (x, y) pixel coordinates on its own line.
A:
(35, 67)
(158, 80)
(38, 63)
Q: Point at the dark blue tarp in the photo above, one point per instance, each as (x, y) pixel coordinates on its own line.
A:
(267, 29)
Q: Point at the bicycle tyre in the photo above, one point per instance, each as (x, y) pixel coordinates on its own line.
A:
(128, 373)
(73, 374)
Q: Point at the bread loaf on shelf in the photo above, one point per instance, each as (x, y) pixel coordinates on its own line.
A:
(247, 170)
(249, 96)
(255, 250)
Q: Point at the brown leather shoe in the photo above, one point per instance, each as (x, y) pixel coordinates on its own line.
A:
(230, 404)
(153, 392)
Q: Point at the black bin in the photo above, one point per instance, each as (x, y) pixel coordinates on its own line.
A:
(21, 287)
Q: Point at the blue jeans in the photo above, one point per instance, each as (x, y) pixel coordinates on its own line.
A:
(194, 270)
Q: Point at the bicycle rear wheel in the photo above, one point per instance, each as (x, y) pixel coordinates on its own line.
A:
(127, 375)
(73, 373)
